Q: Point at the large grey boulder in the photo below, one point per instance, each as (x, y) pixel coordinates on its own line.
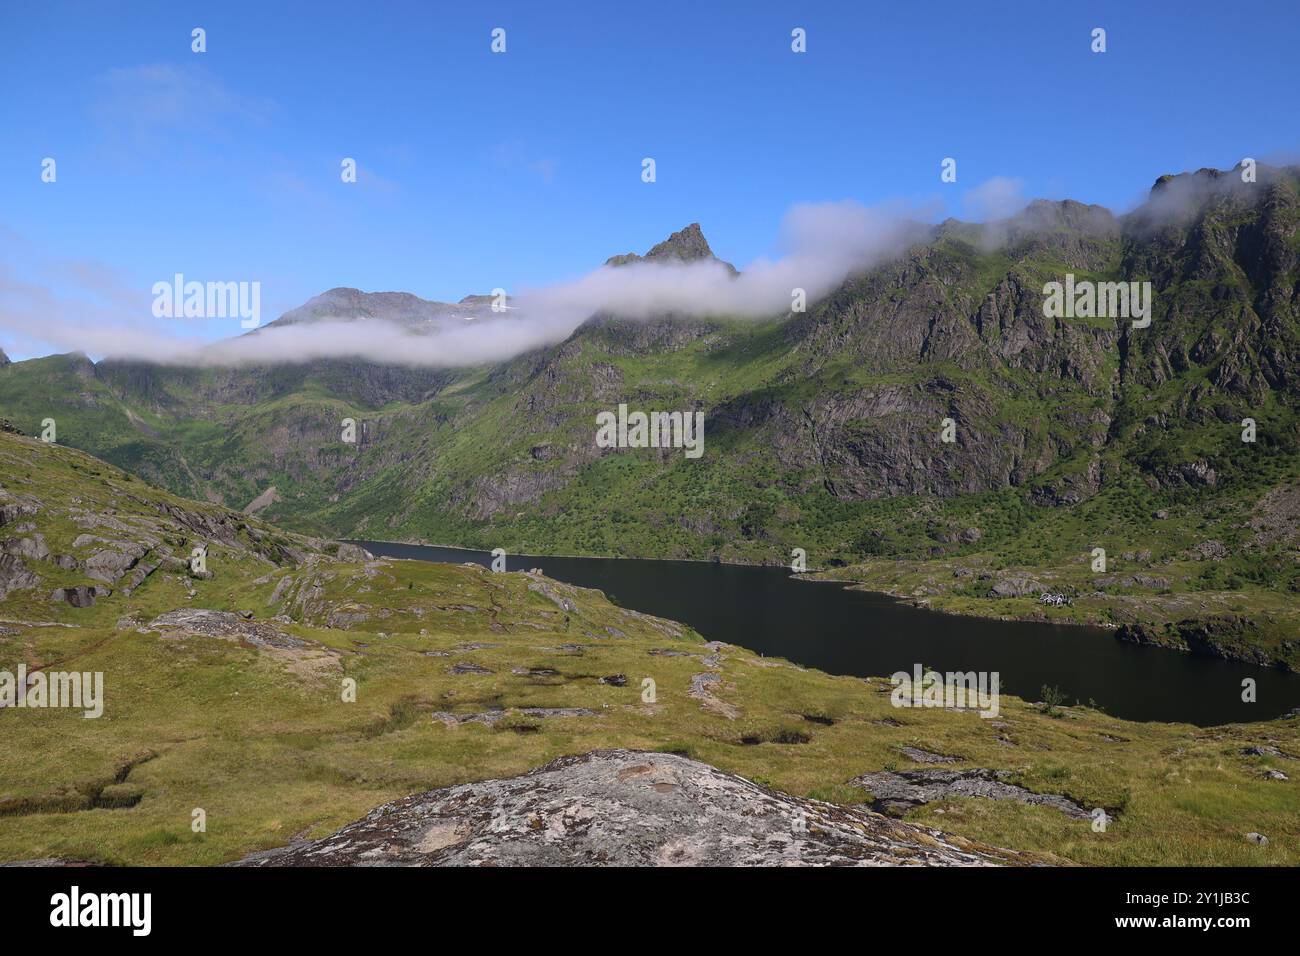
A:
(1015, 584)
(33, 548)
(14, 575)
(83, 595)
(108, 565)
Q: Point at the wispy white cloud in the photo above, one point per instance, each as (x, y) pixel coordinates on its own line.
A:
(995, 198)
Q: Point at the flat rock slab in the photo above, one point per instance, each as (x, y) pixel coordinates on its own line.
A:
(901, 791)
(467, 668)
(492, 717)
(626, 808)
(917, 755)
(225, 624)
(702, 686)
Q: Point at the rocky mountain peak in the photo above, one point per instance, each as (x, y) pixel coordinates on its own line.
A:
(1066, 215)
(1176, 200)
(1208, 182)
(401, 308)
(685, 245)
(4, 359)
(1204, 176)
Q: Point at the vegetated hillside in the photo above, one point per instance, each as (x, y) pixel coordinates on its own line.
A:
(822, 429)
(225, 694)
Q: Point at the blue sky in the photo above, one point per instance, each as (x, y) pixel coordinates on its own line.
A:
(480, 170)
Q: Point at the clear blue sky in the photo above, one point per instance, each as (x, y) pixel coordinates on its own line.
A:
(482, 170)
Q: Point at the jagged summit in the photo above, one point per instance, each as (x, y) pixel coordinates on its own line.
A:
(1205, 176)
(1207, 180)
(4, 359)
(688, 244)
(1185, 197)
(685, 245)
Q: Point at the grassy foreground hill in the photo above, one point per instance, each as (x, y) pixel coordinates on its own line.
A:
(224, 692)
(823, 428)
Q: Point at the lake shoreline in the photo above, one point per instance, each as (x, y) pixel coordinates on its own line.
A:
(1137, 632)
(865, 627)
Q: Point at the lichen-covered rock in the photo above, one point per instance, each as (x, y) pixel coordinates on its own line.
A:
(626, 808)
(224, 624)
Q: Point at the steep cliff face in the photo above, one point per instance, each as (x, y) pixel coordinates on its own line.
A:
(856, 389)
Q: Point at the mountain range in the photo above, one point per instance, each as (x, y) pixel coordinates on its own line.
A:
(824, 427)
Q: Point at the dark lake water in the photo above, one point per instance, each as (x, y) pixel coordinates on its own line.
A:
(824, 625)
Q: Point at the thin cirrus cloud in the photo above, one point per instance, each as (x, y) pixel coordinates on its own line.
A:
(514, 155)
(140, 110)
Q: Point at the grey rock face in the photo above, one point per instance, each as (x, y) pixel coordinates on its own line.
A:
(685, 245)
(15, 507)
(353, 553)
(33, 548)
(1015, 585)
(83, 595)
(625, 808)
(109, 564)
(14, 575)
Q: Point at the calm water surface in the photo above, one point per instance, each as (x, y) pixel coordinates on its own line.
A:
(824, 625)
